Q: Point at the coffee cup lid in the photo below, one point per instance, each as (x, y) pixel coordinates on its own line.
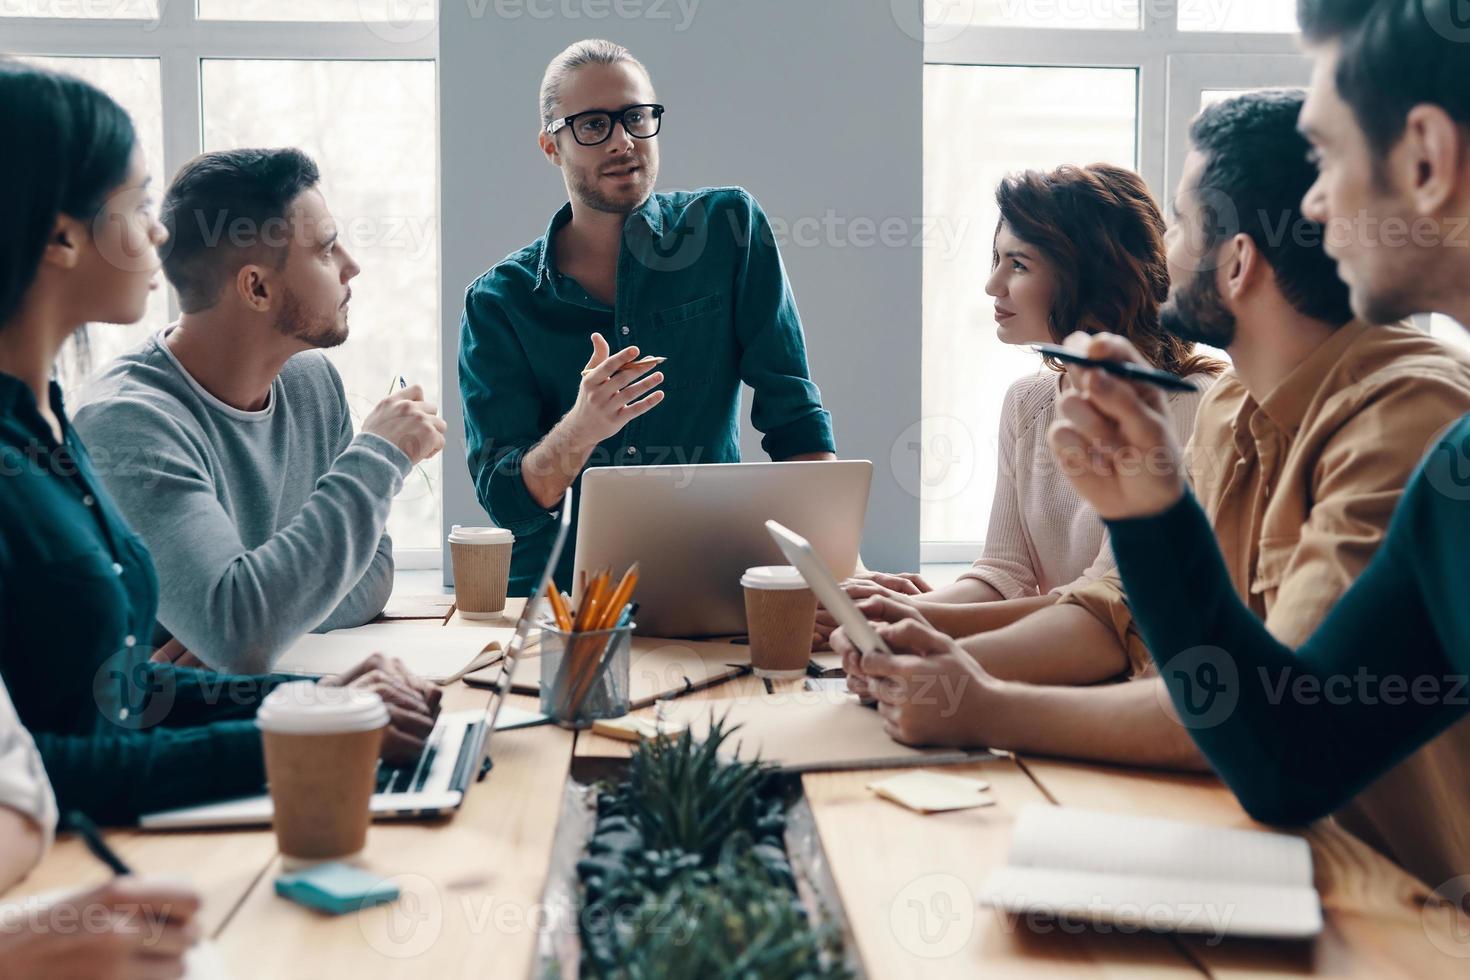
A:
(480, 535)
(775, 577)
(309, 708)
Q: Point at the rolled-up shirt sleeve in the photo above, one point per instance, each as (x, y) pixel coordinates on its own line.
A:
(23, 783)
(502, 412)
(787, 406)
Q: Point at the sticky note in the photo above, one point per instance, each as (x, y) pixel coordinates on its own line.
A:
(631, 728)
(933, 792)
(335, 888)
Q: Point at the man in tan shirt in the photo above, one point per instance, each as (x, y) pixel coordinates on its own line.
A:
(1299, 455)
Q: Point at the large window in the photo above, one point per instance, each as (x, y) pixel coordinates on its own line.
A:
(1017, 84)
(352, 82)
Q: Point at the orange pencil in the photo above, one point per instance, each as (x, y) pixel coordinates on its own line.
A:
(559, 610)
(620, 597)
(577, 645)
(607, 614)
(591, 602)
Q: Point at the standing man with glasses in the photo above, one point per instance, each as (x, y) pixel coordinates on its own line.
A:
(557, 339)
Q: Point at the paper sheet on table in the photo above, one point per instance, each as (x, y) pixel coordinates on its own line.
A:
(806, 730)
(435, 652)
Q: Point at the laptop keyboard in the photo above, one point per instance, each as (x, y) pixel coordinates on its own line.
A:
(411, 778)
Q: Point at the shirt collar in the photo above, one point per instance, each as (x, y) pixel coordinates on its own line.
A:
(650, 211)
(15, 397)
(1288, 402)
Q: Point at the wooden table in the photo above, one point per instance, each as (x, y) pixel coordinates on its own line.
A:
(472, 885)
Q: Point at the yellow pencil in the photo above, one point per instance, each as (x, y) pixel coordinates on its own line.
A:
(620, 596)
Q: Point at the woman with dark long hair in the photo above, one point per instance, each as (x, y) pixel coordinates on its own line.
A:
(1076, 248)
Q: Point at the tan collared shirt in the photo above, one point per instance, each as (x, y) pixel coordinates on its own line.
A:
(1300, 489)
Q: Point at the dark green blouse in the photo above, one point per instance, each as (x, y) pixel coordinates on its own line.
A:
(119, 736)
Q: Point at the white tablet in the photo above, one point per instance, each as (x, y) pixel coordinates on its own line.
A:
(799, 553)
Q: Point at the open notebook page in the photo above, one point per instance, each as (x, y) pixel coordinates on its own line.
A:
(1081, 840)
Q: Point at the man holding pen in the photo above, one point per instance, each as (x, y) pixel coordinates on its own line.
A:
(693, 277)
(227, 439)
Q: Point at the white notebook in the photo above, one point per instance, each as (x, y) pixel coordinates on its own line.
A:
(437, 653)
(1162, 875)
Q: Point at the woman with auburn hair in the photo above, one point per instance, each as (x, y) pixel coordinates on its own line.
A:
(1077, 248)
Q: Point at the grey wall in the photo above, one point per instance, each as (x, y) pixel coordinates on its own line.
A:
(812, 105)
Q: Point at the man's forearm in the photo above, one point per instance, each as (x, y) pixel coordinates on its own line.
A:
(808, 458)
(966, 619)
(1131, 723)
(552, 465)
(1058, 645)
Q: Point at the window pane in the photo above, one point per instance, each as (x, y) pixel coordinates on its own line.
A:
(1211, 96)
(981, 123)
(394, 11)
(1242, 16)
(134, 84)
(944, 17)
(370, 126)
(81, 9)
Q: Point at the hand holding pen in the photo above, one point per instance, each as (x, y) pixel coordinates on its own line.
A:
(132, 928)
(409, 422)
(615, 389)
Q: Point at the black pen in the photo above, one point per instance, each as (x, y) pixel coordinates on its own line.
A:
(1123, 369)
(92, 837)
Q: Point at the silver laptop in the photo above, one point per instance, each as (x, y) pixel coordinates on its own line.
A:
(456, 753)
(695, 529)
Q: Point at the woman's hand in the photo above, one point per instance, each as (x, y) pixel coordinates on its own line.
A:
(875, 609)
(412, 702)
(127, 929)
(857, 589)
(928, 690)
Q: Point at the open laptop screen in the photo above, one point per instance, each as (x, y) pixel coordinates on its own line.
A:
(514, 648)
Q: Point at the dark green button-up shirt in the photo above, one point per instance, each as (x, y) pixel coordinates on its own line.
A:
(119, 736)
(699, 281)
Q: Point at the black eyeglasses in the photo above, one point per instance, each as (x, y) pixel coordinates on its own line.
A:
(596, 125)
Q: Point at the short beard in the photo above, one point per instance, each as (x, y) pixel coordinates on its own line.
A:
(1196, 312)
(1384, 308)
(587, 193)
(315, 331)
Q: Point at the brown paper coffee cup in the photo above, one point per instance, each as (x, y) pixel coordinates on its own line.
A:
(321, 749)
(481, 559)
(321, 787)
(780, 615)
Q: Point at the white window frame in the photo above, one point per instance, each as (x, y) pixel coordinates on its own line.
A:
(180, 40)
(1174, 69)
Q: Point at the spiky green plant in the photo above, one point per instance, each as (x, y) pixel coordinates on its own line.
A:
(681, 794)
(686, 873)
(729, 921)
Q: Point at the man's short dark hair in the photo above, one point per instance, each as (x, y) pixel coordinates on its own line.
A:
(1256, 173)
(1396, 54)
(222, 210)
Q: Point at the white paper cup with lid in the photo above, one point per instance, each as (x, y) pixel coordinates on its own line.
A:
(481, 559)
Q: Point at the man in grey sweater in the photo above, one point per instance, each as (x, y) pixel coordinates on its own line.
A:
(226, 439)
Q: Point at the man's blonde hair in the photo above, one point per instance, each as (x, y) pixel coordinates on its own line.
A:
(592, 51)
